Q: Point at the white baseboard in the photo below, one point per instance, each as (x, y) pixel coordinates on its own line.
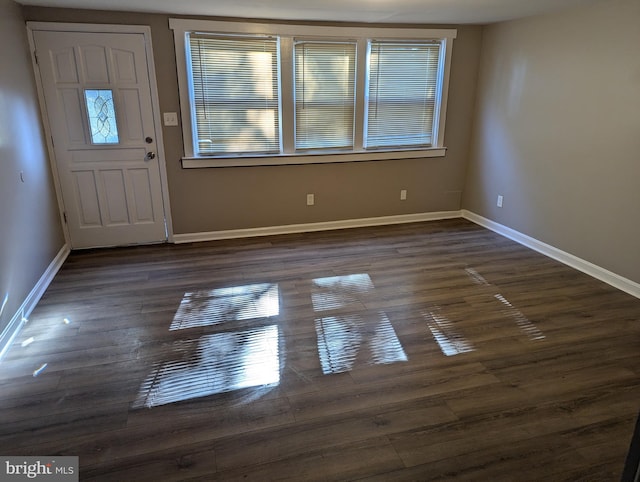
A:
(309, 227)
(18, 320)
(580, 264)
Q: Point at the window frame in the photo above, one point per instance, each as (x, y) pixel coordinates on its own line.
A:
(287, 33)
(437, 94)
(191, 84)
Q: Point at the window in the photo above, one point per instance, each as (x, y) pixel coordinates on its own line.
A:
(402, 94)
(235, 97)
(264, 94)
(324, 94)
(102, 116)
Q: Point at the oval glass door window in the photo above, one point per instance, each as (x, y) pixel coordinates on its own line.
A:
(102, 116)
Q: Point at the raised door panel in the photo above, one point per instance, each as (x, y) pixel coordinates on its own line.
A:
(115, 193)
(124, 66)
(142, 205)
(65, 67)
(95, 63)
(88, 204)
(133, 129)
(73, 107)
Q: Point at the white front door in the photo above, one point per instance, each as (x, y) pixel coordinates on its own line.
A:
(98, 100)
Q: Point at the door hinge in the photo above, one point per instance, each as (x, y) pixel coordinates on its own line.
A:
(53, 144)
(35, 55)
(64, 215)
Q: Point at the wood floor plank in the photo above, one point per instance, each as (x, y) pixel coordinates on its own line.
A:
(524, 460)
(341, 462)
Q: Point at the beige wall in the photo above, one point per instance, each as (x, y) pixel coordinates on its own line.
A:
(30, 230)
(231, 198)
(557, 132)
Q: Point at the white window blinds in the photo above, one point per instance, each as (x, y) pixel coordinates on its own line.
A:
(324, 94)
(402, 93)
(236, 105)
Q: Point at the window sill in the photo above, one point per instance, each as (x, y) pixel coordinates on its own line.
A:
(293, 159)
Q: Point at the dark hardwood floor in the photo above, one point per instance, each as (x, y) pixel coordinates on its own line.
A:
(424, 351)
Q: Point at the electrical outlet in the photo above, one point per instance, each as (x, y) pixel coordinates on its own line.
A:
(403, 195)
(310, 200)
(500, 199)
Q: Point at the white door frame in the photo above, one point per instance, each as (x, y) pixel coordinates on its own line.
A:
(102, 28)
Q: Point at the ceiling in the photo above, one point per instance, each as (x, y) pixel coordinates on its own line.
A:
(370, 11)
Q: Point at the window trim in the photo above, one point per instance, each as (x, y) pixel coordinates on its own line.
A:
(287, 33)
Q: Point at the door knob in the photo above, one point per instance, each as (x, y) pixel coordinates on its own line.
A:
(150, 156)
